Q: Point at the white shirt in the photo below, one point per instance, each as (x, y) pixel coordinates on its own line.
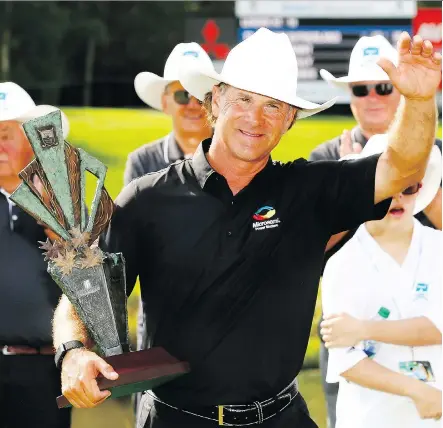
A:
(359, 280)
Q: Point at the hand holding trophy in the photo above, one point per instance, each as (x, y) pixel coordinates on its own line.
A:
(93, 281)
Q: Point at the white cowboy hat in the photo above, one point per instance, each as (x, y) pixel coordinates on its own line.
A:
(16, 104)
(431, 180)
(150, 87)
(264, 63)
(363, 62)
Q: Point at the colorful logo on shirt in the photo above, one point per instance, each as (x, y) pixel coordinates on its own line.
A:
(421, 290)
(2, 96)
(264, 218)
(264, 213)
(370, 51)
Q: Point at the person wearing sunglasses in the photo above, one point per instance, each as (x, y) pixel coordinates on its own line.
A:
(166, 94)
(374, 102)
(382, 303)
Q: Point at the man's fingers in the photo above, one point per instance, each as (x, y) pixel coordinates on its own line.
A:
(71, 398)
(404, 43)
(437, 58)
(105, 369)
(389, 68)
(345, 143)
(427, 49)
(91, 391)
(357, 147)
(75, 397)
(416, 45)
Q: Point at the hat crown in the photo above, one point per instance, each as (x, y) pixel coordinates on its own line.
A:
(265, 61)
(182, 53)
(14, 101)
(367, 51)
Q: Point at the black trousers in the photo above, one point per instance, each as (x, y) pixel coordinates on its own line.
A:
(155, 415)
(29, 385)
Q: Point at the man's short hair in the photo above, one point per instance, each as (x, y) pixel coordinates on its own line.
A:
(207, 105)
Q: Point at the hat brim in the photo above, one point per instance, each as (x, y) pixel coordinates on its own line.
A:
(43, 110)
(199, 82)
(430, 182)
(343, 82)
(149, 87)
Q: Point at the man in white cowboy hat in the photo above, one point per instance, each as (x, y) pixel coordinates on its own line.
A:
(383, 313)
(29, 382)
(374, 102)
(189, 124)
(229, 245)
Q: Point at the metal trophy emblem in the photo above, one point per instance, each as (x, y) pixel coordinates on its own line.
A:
(93, 281)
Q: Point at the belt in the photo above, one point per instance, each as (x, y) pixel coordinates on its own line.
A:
(242, 414)
(27, 350)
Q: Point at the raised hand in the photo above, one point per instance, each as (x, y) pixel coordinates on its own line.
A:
(418, 73)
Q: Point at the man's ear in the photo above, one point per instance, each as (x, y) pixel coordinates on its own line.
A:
(165, 104)
(290, 118)
(216, 98)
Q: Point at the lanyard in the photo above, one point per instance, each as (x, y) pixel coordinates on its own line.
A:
(380, 274)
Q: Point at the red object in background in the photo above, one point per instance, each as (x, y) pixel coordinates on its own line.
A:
(427, 23)
(211, 33)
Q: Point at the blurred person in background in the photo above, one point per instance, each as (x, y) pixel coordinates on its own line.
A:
(189, 123)
(374, 102)
(382, 303)
(189, 127)
(29, 382)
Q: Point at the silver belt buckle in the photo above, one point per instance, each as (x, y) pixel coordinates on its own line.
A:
(6, 352)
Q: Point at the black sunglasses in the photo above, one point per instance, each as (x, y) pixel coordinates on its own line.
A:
(380, 89)
(412, 190)
(183, 97)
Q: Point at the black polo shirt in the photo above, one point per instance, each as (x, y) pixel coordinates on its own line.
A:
(330, 150)
(229, 283)
(152, 157)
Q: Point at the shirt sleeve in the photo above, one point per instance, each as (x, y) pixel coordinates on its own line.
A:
(121, 236)
(133, 168)
(347, 191)
(339, 294)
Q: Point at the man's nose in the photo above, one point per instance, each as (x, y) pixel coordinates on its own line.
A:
(194, 103)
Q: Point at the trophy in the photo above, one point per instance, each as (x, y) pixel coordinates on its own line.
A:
(93, 281)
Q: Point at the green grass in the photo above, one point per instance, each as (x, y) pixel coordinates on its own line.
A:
(110, 134)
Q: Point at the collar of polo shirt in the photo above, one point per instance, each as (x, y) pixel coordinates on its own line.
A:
(202, 168)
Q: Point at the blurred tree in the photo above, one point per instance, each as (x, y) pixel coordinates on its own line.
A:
(37, 54)
(89, 30)
(5, 46)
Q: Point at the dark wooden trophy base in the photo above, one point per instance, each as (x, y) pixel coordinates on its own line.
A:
(138, 371)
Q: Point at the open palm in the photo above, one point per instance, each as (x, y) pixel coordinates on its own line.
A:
(418, 73)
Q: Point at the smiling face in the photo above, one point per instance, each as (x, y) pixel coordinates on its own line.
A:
(373, 112)
(249, 124)
(188, 116)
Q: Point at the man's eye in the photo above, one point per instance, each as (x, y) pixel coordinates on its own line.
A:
(244, 99)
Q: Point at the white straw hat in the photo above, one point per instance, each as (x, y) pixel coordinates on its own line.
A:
(431, 180)
(150, 87)
(363, 62)
(265, 63)
(16, 104)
